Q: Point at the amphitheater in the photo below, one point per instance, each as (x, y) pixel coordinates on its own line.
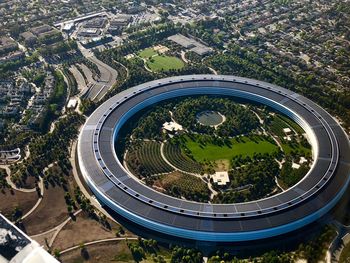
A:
(314, 196)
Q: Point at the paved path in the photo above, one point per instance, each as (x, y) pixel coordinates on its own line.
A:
(105, 82)
(97, 242)
(337, 245)
(12, 185)
(56, 229)
(213, 70)
(41, 186)
(183, 56)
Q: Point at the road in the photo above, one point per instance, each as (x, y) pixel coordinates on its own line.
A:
(81, 85)
(100, 87)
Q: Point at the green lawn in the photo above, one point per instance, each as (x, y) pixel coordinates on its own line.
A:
(165, 63)
(147, 53)
(242, 145)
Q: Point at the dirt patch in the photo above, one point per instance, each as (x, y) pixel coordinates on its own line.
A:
(222, 165)
(116, 251)
(51, 212)
(82, 230)
(13, 198)
(30, 182)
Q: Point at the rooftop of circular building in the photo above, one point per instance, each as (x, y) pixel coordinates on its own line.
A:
(292, 209)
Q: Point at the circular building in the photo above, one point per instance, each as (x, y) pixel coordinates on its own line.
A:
(289, 210)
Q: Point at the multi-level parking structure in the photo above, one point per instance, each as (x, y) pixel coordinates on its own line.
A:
(302, 204)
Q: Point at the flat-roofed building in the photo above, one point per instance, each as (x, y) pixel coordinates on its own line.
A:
(221, 178)
(16, 246)
(191, 44)
(7, 45)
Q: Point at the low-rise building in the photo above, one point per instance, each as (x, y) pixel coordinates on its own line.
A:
(16, 246)
(191, 44)
(7, 45)
(29, 38)
(220, 178)
(13, 56)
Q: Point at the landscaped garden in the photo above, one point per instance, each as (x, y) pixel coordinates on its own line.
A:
(261, 151)
(164, 63)
(160, 62)
(204, 148)
(147, 53)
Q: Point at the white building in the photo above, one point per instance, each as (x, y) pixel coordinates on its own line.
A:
(220, 178)
(18, 247)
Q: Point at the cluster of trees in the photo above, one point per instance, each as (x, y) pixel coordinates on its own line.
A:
(58, 48)
(72, 82)
(84, 203)
(204, 30)
(143, 246)
(87, 106)
(249, 182)
(137, 166)
(49, 39)
(241, 62)
(149, 125)
(312, 251)
(192, 194)
(186, 255)
(49, 148)
(269, 257)
(18, 139)
(136, 73)
(240, 160)
(137, 251)
(3, 183)
(37, 76)
(290, 176)
(315, 250)
(54, 104)
(239, 119)
(13, 66)
(185, 186)
(56, 174)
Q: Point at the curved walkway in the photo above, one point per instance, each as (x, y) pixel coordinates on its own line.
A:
(57, 229)
(24, 190)
(13, 185)
(97, 242)
(213, 70)
(339, 242)
(41, 186)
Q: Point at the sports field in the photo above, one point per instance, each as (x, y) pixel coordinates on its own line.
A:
(147, 53)
(163, 62)
(239, 146)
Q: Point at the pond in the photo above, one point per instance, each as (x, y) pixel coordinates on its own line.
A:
(210, 118)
